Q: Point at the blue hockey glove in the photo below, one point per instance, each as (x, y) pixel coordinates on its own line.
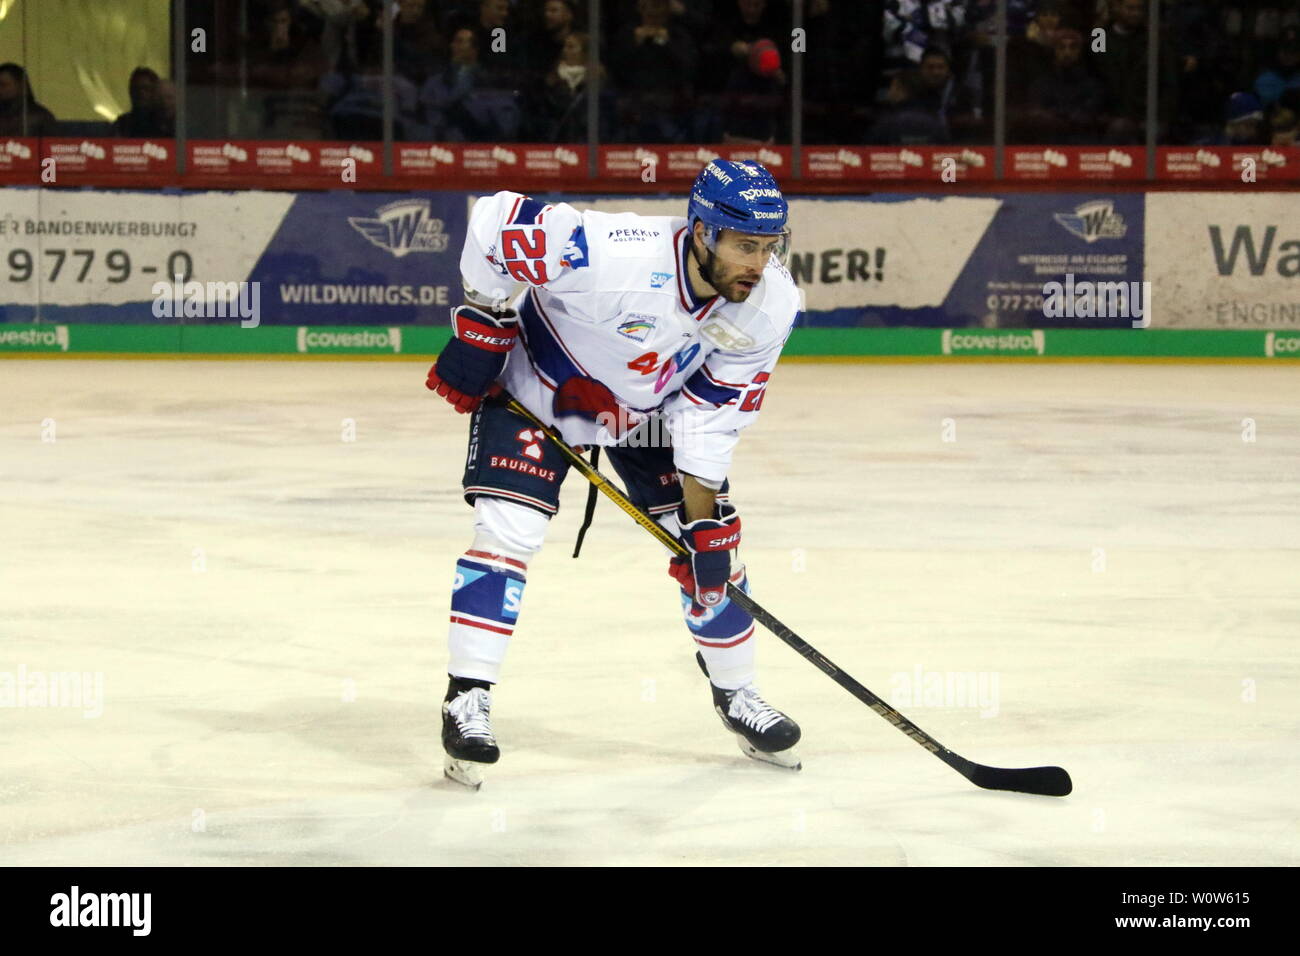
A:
(711, 543)
(470, 363)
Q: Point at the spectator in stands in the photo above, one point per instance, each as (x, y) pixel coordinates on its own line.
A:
(752, 104)
(928, 104)
(1123, 70)
(546, 46)
(1284, 74)
(452, 13)
(911, 27)
(1205, 67)
(844, 35)
(462, 105)
(656, 68)
(418, 47)
(148, 114)
(286, 68)
(1284, 127)
(737, 100)
(1020, 13)
(354, 89)
(964, 28)
(696, 17)
(1064, 101)
(356, 105)
(503, 43)
(975, 58)
(1244, 123)
(726, 52)
(20, 114)
(351, 43)
(343, 30)
(167, 97)
(900, 125)
(562, 109)
(1032, 52)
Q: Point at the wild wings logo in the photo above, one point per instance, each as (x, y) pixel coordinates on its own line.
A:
(1094, 220)
(403, 227)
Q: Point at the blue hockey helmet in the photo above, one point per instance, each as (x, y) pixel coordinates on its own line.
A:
(742, 196)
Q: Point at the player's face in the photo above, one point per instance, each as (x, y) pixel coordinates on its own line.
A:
(738, 263)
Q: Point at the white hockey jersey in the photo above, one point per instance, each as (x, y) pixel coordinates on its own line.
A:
(605, 296)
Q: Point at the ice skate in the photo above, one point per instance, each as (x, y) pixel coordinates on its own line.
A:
(467, 732)
(762, 731)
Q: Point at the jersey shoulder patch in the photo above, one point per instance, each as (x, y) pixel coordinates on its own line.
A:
(576, 255)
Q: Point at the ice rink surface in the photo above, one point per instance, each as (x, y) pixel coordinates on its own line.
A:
(1111, 551)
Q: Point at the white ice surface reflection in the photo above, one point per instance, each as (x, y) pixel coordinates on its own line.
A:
(266, 604)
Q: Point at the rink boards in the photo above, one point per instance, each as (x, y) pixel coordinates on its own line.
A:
(1005, 274)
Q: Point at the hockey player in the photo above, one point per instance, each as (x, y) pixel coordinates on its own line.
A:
(625, 326)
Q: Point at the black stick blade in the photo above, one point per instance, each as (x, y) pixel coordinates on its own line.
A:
(1046, 781)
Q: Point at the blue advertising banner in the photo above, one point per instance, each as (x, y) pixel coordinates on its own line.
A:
(392, 259)
(1087, 245)
(328, 258)
(365, 259)
(966, 260)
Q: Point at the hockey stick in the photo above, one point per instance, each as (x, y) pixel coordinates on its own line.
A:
(1047, 781)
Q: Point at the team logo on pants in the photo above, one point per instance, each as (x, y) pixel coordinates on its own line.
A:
(531, 439)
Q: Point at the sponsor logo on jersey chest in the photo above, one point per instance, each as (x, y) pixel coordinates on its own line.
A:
(637, 325)
(631, 235)
(659, 279)
(725, 335)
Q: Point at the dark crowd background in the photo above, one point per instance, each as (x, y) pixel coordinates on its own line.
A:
(715, 71)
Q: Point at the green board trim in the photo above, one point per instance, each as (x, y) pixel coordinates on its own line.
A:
(901, 344)
(1043, 343)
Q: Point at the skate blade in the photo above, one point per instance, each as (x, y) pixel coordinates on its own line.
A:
(465, 772)
(786, 759)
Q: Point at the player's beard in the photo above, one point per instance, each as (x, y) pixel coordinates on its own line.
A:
(728, 289)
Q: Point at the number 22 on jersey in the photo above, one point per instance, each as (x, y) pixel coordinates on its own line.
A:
(523, 255)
